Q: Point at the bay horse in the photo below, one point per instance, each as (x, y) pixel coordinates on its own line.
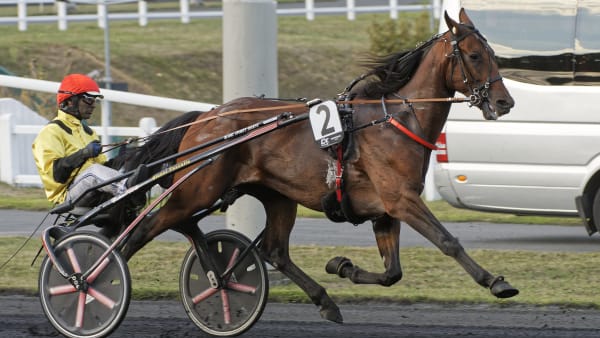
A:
(383, 168)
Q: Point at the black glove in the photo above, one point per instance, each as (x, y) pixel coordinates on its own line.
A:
(63, 167)
(93, 149)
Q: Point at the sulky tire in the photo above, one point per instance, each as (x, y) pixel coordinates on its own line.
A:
(97, 311)
(233, 309)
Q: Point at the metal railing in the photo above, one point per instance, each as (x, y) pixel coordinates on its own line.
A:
(185, 14)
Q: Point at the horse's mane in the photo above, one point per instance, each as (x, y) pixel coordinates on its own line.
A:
(394, 71)
(162, 143)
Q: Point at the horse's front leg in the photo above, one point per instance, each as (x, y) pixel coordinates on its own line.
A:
(419, 217)
(387, 235)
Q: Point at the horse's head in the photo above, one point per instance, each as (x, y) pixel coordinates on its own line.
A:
(473, 70)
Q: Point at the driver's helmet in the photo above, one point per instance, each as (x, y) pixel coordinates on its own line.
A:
(77, 84)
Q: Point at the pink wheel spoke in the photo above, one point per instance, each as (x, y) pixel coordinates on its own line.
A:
(98, 270)
(100, 297)
(226, 312)
(73, 260)
(241, 287)
(61, 290)
(80, 310)
(204, 295)
(233, 257)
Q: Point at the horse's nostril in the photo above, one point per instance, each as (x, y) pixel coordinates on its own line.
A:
(504, 104)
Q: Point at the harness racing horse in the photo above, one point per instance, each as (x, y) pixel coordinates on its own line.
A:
(383, 168)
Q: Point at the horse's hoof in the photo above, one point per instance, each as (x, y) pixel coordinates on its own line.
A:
(337, 264)
(333, 315)
(501, 289)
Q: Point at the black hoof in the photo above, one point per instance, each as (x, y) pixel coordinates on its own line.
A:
(336, 264)
(333, 315)
(501, 289)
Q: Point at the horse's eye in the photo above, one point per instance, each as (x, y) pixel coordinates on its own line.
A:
(474, 57)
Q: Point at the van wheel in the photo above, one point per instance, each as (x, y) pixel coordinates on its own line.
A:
(592, 228)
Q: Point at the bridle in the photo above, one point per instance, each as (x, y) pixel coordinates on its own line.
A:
(479, 94)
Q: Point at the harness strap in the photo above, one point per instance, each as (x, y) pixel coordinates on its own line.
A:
(338, 173)
(391, 120)
(410, 134)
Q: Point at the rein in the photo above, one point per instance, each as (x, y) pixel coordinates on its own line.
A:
(406, 101)
(286, 107)
(206, 119)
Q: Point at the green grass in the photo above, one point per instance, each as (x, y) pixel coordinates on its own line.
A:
(544, 278)
(22, 198)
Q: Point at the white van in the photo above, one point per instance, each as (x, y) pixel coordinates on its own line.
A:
(543, 158)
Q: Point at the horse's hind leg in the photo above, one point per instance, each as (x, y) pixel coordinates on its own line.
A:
(387, 234)
(152, 226)
(419, 217)
(281, 215)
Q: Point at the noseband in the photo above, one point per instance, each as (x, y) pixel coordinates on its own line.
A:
(479, 94)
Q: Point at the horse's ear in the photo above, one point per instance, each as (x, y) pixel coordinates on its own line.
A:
(452, 25)
(464, 18)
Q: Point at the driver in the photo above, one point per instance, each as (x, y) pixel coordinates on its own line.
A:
(68, 153)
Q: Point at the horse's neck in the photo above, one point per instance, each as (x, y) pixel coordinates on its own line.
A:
(429, 82)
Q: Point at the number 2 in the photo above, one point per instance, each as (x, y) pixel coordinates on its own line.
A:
(326, 130)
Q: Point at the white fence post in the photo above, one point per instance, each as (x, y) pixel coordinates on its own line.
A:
(437, 5)
(310, 10)
(430, 192)
(147, 125)
(61, 8)
(393, 9)
(22, 10)
(102, 11)
(185, 11)
(143, 12)
(249, 68)
(351, 8)
(6, 156)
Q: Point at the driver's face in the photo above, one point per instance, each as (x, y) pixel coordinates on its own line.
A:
(86, 108)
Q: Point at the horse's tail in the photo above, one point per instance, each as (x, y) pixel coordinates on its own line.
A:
(162, 143)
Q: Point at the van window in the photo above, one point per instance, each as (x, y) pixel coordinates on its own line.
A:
(545, 42)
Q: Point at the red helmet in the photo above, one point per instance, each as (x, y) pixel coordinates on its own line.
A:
(75, 84)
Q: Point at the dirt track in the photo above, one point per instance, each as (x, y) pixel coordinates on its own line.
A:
(22, 317)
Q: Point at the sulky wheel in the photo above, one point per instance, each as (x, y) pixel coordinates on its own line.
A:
(233, 309)
(99, 308)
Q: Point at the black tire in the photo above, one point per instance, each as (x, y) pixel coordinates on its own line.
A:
(245, 307)
(113, 282)
(596, 210)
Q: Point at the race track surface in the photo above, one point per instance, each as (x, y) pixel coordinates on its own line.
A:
(23, 317)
